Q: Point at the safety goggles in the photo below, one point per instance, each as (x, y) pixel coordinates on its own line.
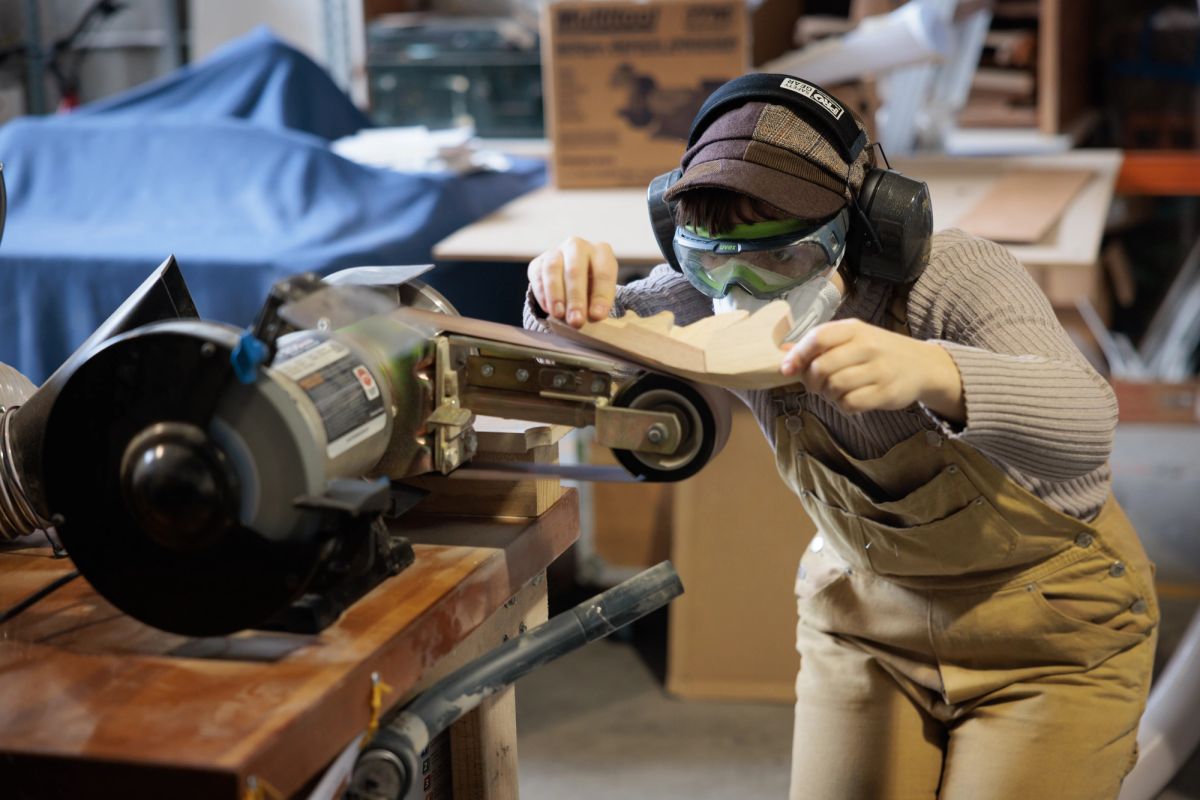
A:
(764, 258)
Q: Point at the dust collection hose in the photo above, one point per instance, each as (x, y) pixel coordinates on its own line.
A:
(386, 768)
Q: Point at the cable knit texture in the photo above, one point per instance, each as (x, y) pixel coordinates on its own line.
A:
(1035, 407)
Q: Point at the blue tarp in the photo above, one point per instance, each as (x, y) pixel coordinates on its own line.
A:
(225, 165)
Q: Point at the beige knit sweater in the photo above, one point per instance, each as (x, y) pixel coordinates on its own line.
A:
(1035, 407)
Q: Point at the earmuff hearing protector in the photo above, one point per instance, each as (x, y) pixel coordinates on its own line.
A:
(892, 220)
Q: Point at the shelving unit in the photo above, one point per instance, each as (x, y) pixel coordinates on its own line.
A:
(1164, 173)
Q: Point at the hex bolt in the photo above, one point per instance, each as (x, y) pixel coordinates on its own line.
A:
(487, 370)
(656, 433)
(560, 381)
(522, 375)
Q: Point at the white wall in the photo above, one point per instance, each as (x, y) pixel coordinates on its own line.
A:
(301, 23)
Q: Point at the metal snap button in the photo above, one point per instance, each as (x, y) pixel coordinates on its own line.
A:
(1117, 569)
(1138, 606)
(933, 439)
(1084, 540)
(818, 544)
(952, 469)
(794, 424)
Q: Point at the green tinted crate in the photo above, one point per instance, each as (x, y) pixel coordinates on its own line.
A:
(447, 72)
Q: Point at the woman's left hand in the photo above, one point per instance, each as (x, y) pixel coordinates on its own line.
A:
(861, 367)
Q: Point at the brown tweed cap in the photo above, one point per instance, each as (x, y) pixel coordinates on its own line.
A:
(768, 152)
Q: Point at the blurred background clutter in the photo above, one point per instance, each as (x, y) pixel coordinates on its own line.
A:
(254, 139)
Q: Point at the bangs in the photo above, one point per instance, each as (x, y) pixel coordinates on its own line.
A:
(719, 210)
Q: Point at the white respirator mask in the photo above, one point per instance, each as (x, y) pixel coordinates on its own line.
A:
(812, 304)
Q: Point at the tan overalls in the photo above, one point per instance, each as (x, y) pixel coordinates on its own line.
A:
(959, 638)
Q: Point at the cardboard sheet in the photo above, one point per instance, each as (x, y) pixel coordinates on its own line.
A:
(1024, 205)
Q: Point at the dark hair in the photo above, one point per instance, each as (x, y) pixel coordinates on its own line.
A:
(718, 210)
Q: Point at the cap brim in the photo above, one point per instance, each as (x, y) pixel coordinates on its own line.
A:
(796, 196)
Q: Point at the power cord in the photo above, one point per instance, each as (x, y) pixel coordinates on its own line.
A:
(40, 594)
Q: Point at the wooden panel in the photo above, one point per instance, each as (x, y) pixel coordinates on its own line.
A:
(88, 689)
(1064, 51)
(1024, 205)
(956, 184)
(488, 498)
(544, 218)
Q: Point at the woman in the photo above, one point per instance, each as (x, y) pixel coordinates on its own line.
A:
(977, 616)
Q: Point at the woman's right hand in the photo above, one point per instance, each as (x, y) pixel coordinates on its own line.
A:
(575, 281)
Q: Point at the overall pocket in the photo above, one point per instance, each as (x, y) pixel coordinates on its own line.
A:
(1098, 595)
(971, 539)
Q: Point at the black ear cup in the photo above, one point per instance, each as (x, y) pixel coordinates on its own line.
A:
(892, 242)
(662, 215)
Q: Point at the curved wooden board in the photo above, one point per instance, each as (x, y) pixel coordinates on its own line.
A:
(735, 350)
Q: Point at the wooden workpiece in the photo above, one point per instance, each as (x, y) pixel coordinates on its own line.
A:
(92, 698)
(734, 350)
(500, 441)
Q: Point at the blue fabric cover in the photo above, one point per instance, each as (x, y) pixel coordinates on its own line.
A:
(257, 78)
(242, 198)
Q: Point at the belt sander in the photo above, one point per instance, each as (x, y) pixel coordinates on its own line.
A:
(206, 479)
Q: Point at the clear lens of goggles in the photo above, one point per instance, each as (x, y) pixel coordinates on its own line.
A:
(765, 267)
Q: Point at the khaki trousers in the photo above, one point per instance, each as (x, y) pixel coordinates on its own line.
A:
(868, 725)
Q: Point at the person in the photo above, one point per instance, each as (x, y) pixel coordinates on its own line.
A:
(977, 618)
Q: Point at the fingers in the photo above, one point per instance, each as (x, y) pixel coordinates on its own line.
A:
(534, 273)
(576, 281)
(866, 398)
(832, 363)
(603, 282)
(848, 380)
(817, 341)
(554, 285)
(577, 261)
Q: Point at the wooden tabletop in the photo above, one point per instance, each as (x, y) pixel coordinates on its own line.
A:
(90, 697)
(542, 219)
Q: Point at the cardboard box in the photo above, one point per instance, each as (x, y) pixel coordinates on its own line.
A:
(773, 28)
(738, 535)
(631, 522)
(623, 81)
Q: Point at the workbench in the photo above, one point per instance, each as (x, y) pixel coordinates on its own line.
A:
(94, 703)
(1064, 262)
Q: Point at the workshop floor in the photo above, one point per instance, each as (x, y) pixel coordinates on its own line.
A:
(597, 725)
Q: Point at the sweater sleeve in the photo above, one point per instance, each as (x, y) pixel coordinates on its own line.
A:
(663, 289)
(1033, 402)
